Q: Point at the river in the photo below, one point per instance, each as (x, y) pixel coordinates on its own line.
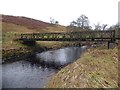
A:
(27, 74)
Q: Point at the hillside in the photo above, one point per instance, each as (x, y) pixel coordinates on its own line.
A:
(17, 24)
(24, 21)
(24, 24)
(13, 25)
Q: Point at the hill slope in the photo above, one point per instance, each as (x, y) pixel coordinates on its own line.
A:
(24, 24)
(16, 24)
(24, 21)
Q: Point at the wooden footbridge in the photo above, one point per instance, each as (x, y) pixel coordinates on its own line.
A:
(71, 36)
(110, 36)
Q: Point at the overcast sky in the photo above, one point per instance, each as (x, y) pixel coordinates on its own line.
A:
(64, 11)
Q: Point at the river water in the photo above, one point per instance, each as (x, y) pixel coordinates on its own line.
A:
(26, 74)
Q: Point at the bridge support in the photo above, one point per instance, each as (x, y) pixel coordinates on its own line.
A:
(111, 44)
(29, 42)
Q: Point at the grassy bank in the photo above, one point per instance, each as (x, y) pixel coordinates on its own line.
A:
(97, 68)
(12, 25)
(13, 48)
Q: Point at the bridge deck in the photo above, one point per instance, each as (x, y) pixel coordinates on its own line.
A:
(70, 36)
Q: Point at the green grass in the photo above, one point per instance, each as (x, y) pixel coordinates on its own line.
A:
(8, 41)
(97, 68)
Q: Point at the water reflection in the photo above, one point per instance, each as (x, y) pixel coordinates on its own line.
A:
(25, 74)
(61, 56)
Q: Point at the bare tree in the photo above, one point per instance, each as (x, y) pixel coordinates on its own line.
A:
(52, 21)
(73, 23)
(114, 27)
(83, 21)
(104, 26)
(88, 27)
(97, 26)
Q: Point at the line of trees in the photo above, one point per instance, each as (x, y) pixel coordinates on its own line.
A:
(82, 22)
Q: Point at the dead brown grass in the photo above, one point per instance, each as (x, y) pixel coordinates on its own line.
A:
(95, 69)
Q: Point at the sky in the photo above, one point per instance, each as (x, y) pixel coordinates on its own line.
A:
(63, 11)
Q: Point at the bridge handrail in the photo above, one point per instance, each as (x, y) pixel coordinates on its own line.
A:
(71, 35)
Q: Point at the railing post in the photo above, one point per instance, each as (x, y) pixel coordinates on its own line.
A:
(113, 36)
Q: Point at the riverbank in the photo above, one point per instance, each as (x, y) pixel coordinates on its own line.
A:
(97, 68)
(13, 51)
